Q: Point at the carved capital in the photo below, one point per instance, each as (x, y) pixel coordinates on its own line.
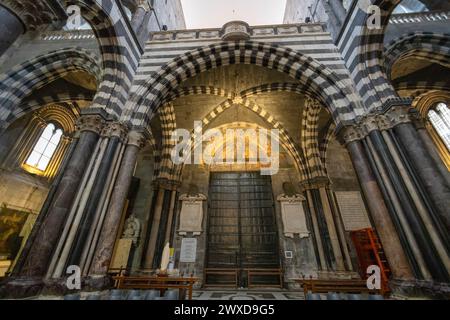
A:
(137, 139)
(314, 183)
(115, 129)
(398, 115)
(369, 124)
(349, 134)
(34, 14)
(166, 184)
(93, 123)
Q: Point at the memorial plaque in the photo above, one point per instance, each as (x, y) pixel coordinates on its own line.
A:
(353, 210)
(191, 215)
(293, 216)
(188, 250)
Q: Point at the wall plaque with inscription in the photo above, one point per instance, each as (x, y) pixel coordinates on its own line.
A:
(188, 250)
(293, 215)
(191, 215)
(353, 210)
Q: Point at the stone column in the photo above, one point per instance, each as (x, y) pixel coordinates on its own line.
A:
(153, 228)
(434, 182)
(419, 232)
(422, 126)
(335, 243)
(44, 210)
(113, 132)
(11, 27)
(379, 212)
(169, 230)
(104, 251)
(38, 258)
(318, 238)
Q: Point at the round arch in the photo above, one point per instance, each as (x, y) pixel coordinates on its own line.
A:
(334, 92)
(119, 60)
(19, 82)
(433, 47)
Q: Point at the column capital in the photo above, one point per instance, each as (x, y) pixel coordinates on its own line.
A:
(34, 14)
(397, 115)
(314, 183)
(165, 184)
(378, 121)
(115, 129)
(93, 123)
(137, 139)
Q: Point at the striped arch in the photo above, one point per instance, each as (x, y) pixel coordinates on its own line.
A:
(119, 50)
(416, 88)
(432, 47)
(285, 139)
(323, 146)
(337, 95)
(287, 145)
(199, 90)
(310, 139)
(19, 82)
(362, 48)
(269, 119)
(34, 104)
(279, 87)
(166, 168)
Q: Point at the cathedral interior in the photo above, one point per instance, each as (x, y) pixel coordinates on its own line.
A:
(92, 93)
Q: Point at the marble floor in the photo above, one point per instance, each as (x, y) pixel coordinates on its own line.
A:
(247, 295)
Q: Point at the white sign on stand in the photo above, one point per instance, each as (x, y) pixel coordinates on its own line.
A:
(188, 250)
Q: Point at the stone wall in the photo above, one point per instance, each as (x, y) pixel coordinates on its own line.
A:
(298, 10)
(169, 13)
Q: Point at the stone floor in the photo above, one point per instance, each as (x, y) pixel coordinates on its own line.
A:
(247, 295)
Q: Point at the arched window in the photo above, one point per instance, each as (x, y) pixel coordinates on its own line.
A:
(440, 119)
(45, 148)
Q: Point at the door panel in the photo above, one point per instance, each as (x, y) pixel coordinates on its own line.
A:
(242, 227)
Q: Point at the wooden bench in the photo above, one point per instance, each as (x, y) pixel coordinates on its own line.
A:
(156, 282)
(231, 273)
(264, 272)
(338, 286)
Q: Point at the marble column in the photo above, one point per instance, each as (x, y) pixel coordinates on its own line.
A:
(432, 150)
(104, 251)
(11, 27)
(389, 237)
(434, 182)
(317, 236)
(332, 230)
(169, 230)
(36, 262)
(44, 210)
(113, 132)
(424, 242)
(154, 229)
